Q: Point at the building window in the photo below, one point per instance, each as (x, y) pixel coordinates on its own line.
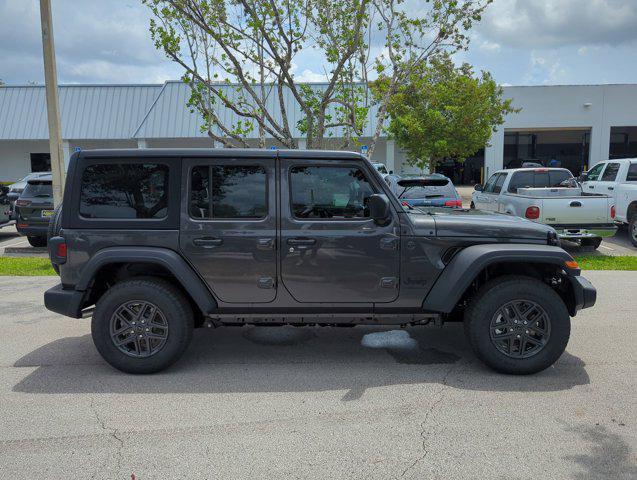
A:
(40, 162)
(551, 148)
(623, 142)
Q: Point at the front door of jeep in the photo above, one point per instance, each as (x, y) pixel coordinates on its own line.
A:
(228, 226)
(331, 250)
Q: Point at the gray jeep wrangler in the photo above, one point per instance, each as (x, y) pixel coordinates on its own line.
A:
(153, 243)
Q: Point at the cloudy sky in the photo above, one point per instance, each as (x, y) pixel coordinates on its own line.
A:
(522, 42)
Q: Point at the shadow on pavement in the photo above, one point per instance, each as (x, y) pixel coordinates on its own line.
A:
(288, 359)
(609, 457)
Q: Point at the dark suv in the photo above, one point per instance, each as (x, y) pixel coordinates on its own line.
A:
(33, 210)
(162, 241)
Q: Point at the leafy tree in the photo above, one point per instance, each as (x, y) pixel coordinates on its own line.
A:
(444, 111)
(241, 55)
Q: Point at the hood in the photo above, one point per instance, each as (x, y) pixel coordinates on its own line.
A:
(452, 222)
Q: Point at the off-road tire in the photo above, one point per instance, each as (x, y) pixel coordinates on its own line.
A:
(173, 305)
(592, 243)
(36, 241)
(632, 229)
(498, 292)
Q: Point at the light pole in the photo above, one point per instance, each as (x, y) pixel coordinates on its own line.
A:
(52, 103)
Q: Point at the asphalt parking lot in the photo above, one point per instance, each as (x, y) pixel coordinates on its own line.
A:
(316, 402)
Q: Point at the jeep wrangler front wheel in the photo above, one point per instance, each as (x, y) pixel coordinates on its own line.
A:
(142, 325)
(517, 325)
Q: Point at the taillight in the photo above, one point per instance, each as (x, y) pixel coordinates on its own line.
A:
(405, 204)
(453, 203)
(23, 203)
(612, 211)
(532, 213)
(60, 251)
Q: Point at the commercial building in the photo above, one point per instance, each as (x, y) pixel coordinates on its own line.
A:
(574, 126)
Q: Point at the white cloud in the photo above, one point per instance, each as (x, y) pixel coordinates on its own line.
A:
(550, 23)
(582, 50)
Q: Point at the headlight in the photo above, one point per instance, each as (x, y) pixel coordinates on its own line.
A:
(552, 239)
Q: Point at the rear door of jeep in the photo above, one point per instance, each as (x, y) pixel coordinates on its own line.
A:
(228, 224)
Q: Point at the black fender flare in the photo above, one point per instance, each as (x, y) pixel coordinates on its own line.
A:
(168, 259)
(465, 266)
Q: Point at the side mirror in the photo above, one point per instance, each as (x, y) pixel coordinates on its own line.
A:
(379, 208)
(583, 177)
(478, 187)
(391, 172)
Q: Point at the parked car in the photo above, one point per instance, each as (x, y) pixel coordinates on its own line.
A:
(5, 213)
(33, 210)
(617, 178)
(381, 168)
(424, 190)
(15, 189)
(234, 237)
(550, 196)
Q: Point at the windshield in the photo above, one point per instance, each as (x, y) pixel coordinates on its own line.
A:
(38, 189)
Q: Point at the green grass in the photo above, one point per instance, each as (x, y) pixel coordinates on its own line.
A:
(22, 266)
(604, 262)
(41, 266)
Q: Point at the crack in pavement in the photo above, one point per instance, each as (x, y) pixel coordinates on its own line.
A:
(113, 434)
(438, 398)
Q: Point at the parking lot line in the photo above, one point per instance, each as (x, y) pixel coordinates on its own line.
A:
(14, 244)
(607, 248)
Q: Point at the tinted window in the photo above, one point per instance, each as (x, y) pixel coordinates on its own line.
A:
(632, 173)
(329, 192)
(593, 173)
(521, 180)
(488, 187)
(38, 189)
(530, 179)
(610, 173)
(126, 191)
(497, 187)
(223, 191)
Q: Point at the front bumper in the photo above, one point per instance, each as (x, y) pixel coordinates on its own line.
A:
(578, 232)
(584, 293)
(64, 301)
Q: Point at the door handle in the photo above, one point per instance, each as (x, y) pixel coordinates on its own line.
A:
(207, 242)
(591, 187)
(301, 241)
(611, 188)
(265, 243)
(575, 204)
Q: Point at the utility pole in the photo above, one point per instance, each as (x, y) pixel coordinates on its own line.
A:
(52, 103)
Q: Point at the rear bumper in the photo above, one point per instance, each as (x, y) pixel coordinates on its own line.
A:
(584, 293)
(31, 230)
(575, 232)
(65, 302)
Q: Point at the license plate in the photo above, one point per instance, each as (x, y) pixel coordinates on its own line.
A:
(47, 213)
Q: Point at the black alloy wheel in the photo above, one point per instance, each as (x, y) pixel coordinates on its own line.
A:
(520, 329)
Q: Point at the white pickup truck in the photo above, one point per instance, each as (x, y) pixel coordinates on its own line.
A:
(617, 178)
(550, 196)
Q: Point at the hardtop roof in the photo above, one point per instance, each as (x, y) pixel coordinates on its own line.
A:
(219, 152)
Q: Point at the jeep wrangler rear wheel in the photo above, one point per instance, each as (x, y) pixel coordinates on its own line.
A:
(142, 325)
(517, 325)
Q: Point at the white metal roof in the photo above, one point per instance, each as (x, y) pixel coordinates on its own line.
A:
(171, 117)
(87, 111)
